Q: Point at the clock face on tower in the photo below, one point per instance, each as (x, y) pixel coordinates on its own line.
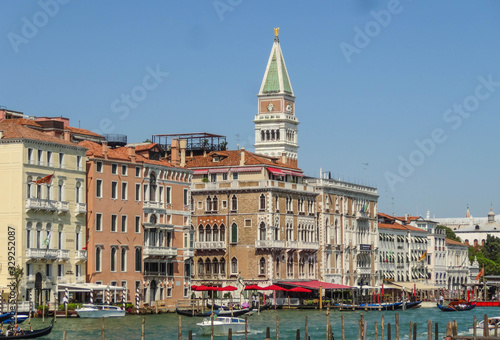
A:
(270, 107)
(289, 108)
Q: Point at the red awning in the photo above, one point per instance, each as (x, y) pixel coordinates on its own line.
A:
(201, 172)
(293, 173)
(247, 169)
(276, 172)
(217, 171)
(315, 284)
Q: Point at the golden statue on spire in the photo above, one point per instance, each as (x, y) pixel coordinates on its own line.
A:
(276, 31)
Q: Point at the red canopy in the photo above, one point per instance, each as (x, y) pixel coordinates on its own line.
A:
(253, 287)
(274, 287)
(203, 288)
(300, 290)
(315, 284)
(226, 289)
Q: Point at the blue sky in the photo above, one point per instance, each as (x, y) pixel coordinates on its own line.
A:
(371, 78)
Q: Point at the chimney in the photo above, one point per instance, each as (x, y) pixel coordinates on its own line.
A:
(242, 156)
(131, 153)
(105, 149)
(283, 157)
(174, 153)
(183, 144)
(67, 136)
(191, 154)
(1, 134)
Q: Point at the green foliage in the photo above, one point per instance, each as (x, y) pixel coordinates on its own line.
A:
(450, 234)
(205, 180)
(488, 255)
(70, 306)
(148, 141)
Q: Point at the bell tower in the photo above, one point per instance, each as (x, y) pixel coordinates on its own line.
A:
(276, 125)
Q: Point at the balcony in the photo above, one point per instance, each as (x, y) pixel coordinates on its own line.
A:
(154, 206)
(364, 270)
(188, 253)
(42, 253)
(270, 244)
(38, 204)
(210, 245)
(311, 246)
(62, 207)
(150, 251)
(362, 215)
(80, 255)
(62, 254)
(80, 208)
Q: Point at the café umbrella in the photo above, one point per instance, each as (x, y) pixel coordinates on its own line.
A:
(297, 290)
(275, 288)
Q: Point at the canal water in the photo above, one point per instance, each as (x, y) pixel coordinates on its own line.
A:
(165, 326)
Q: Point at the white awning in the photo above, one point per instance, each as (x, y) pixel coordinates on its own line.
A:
(85, 287)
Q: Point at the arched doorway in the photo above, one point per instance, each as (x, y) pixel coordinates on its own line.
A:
(38, 288)
(152, 291)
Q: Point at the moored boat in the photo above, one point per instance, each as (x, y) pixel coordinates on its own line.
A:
(457, 306)
(219, 312)
(492, 323)
(221, 325)
(12, 319)
(97, 311)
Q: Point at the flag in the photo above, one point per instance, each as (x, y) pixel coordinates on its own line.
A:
(47, 239)
(86, 244)
(45, 180)
(480, 274)
(424, 255)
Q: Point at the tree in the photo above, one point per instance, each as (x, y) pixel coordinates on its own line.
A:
(488, 255)
(450, 234)
(148, 141)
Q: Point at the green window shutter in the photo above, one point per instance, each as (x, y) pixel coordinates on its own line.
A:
(234, 233)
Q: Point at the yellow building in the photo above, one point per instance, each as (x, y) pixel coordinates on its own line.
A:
(42, 208)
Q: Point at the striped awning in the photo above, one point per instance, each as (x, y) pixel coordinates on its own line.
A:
(293, 173)
(247, 169)
(218, 170)
(201, 172)
(276, 172)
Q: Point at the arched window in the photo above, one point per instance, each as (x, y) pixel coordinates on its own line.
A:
(78, 192)
(138, 259)
(215, 236)
(152, 187)
(208, 233)
(123, 260)
(98, 259)
(267, 135)
(215, 204)
(234, 233)
(234, 266)
(207, 266)
(262, 202)
(215, 266)
(29, 186)
(234, 203)
(48, 236)
(113, 259)
(201, 234)
(28, 235)
(262, 135)
(222, 266)
(38, 235)
(277, 266)
(262, 266)
(262, 231)
(272, 134)
(222, 233)
(200, 267)
(277, 134)
(209, 204)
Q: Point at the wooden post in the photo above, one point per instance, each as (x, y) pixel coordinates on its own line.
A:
(230, 334)
(305, 332)
(411, 331)
(360, 327)
(496, 330)
(429, 330)
(448, 329)
(329, 332)
(180, 329)
(298, 335)
(190, 335)
(365, 329)
(455, 328)
(277, 327)
(43, 307)
(64, 335)
(102, 327)
(436, 331)
(486, 331)
(56, 307)
(246, 327)
(389, 331)
(327, 322)
(376, 330)
(268, 333)
(143, 332)
(415, 330)
(397, 326)
(343, 327)
(382, 328)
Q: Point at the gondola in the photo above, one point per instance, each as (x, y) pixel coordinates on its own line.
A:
(234, 312)
(30, 334)
(6, 316)
(457, 306)
(413, 304)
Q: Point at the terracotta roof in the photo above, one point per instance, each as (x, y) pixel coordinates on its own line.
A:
(83, 132)
(143, 147)
(23, 121)
(398, 226)
(409, 218)
(122, 154)
(232, 158)
(12, 130)
(456, 243)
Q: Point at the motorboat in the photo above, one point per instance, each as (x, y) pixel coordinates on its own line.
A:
(221, 325)
(12, 319)
(97, 311)
(219, 312)
(492, 323)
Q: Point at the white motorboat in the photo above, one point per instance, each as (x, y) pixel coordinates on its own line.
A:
(97, 311)
(222, 324)
(492, 323)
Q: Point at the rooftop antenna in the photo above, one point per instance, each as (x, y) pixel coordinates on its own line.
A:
(237, 141)
(78, 124)
(392, 201)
